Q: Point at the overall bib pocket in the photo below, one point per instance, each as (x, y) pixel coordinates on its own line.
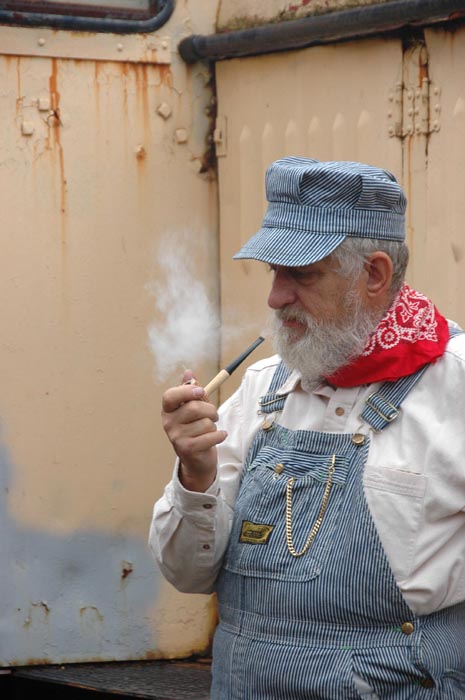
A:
(286, 515)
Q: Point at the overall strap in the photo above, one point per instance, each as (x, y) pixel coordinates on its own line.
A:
(271, 401)
(383, 406)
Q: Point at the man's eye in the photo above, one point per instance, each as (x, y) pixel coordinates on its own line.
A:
(302, 275)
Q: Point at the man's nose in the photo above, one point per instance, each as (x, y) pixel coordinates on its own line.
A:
(282, 290)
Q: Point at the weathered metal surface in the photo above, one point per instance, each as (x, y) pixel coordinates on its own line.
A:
(93, 179)
(434, 169)
(240, 14)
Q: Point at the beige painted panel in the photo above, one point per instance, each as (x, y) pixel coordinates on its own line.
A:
(439, 261)
(326, 102)
(101, 174)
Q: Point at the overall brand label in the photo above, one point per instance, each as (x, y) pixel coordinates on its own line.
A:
(255, 533)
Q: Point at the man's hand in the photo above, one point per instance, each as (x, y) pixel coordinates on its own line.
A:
(189, 420)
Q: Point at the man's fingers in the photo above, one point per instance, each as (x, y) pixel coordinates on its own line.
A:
(175, 397)
(190, 446)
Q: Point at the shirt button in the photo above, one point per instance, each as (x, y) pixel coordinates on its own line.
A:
(339, 411)
(205, 546)
(208, 505)
(407, 627)
(427, 683)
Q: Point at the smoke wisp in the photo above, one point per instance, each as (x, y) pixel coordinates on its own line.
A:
(187, 329)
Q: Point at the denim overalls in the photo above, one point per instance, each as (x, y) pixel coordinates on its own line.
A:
(307, 599)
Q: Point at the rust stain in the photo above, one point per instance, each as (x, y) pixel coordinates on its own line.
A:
(422, 65)
(19, 99)
(141, 153)
(126, 569)
(54, 124)
(124, 75)
(142, 91)
(32, 661)
(208, 162)
(166, 75)
(43, 606)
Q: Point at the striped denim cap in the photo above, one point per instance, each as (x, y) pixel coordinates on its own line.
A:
(313, 206)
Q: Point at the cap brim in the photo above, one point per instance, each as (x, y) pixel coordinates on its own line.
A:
(277, 246)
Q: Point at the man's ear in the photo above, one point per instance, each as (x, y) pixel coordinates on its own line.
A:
(379, 269)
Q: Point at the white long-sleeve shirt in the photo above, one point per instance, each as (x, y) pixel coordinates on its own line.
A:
(414, 480)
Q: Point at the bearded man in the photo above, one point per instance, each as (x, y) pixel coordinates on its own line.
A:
(325, 504)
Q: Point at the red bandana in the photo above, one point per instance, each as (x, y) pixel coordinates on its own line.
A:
(410, 335)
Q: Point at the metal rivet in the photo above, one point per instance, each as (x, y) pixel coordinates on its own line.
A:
(43, 104)
(27, 128)
(41, 42)
(407, 627)
(164, 110)
(267, 424)
(279, 468)
(358, 439)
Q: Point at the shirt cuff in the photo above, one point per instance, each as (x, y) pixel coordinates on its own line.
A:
(194, 504)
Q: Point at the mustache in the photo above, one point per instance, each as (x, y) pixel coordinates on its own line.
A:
(293, 314)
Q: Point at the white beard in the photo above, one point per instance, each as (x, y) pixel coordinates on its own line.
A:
(326, 346)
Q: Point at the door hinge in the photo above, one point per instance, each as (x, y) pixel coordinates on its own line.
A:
(414, 110)
(219, 136)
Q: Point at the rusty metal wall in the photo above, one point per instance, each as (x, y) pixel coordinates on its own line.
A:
(399, 104)
(104, 157)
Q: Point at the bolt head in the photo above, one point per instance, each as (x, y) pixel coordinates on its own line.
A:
(27, 128)
(181, 135)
